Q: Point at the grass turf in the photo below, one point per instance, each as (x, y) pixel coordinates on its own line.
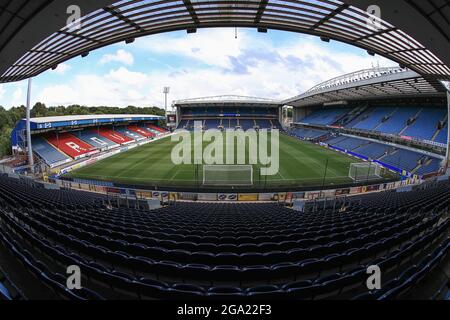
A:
(302, 164)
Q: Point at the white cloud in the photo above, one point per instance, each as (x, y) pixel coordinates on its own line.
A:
(18, 96)
(58, 95)
(217, 64)
(121, 56)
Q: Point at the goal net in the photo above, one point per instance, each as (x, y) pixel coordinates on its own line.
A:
(227, 175)
(364, 171)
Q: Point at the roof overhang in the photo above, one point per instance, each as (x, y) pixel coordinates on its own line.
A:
(378, 83)
(41, 41)
(228, 102)
(47, 123)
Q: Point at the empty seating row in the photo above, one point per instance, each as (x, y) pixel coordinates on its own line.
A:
(236, 250)
(325, 116)
(426, 124)
(47, 152)
(399, 158)
(307, 133)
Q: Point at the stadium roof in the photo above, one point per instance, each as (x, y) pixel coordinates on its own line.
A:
(374, 83)
(35, 37)
(83, 120)
(228, 100)
(95, 117)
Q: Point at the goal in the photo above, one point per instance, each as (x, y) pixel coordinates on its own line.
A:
(228, 175)
(364, 171)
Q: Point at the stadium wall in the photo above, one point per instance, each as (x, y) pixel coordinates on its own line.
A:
(286, 198)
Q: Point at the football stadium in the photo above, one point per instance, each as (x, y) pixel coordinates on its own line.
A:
(339, 193)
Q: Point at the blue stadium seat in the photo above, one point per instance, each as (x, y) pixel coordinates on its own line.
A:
(325, 116)
(47, 152)
(397, 122)
(403, 159)
(442, 135)
(94, 139)
(373, 118)
(270, 251)
(128, 133)
(426, 123)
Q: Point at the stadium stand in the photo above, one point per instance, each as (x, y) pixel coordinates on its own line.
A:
(128, 133)
(47, 152)
(398, 121)
(153, 127)
(442, 135)
(414, 122)
(351, 143)
(192, 250)
(325, 116)
(372, 118)
(142, 132)
(69, 144)
(426, 124)
(429, 166)
(233, 123)
(399, 158)
(94, 139)
(212, 124)
(366, 148)
(8, 291)
(182, 124)
(307, 133)
(403, 159)
(372, 150)
(114, 136)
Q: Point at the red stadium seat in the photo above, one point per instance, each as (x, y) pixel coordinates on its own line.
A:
(141, 131)
(153, 127)
(114, 136)
(70, 145)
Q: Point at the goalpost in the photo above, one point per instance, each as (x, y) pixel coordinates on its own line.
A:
(228, 175)
(365, 171)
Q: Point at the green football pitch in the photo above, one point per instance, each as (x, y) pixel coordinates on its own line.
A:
(302, 164)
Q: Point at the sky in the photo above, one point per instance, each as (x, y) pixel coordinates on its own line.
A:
(211, 62)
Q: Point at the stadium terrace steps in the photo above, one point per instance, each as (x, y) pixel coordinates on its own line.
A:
(441, 136)
(431, 166)
(373, 151)
(403, 159)
(156, 128)
(308, 133)
(8, 291)
(373, 118)
(397, 121)
(209, 250)
(400, 158)
(129, 133)
(114, 136)
(47, 151)
(212, 124)
(351, 143)
(390, 120)
(426, 124)
(141, 132)
(325, 116)
(93, 138)
(69, 144)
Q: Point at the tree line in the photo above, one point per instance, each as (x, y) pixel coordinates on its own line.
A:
(9, 118)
